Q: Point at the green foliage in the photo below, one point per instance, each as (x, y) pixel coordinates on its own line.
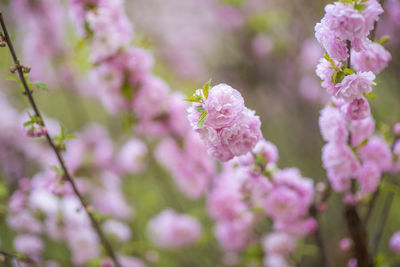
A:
(38, 85)
(61, 138)
(202, 119)
(206, 88)
(33, 119)
(370, 95)
(384, 39)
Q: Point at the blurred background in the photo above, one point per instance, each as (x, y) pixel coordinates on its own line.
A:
(263, 48)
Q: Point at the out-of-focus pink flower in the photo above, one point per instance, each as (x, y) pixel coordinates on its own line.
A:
(378, 151)
(83, 244)
(361, 129)
(268, 150)
(131, 158)
(396, 128)
(234, 235)
(369, 177)
(225, 201)
(171, 230)
(394, 242)
(298, 228)
(30, 245)
(341, 165)
(279, 243)
(262, 45)
(333, 125)
(119, 229)
(345, 244)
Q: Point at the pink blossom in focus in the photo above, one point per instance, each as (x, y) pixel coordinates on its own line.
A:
(223, 106)
(353, 86)
(335, 48)
(358, 109)
(345, 22)
(374, 58)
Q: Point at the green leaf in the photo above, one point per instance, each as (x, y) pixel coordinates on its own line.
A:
(202, 119)
(194, 98)
(206, 88)
(200, 109)
(360, 7)
(41, 86)
(384, 39)
(58, 170)
(370, 95)
(13, 79)
(348, 71)
(339, 77)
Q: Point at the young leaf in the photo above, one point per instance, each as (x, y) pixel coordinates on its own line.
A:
(206, 88)
(200, 109)
(370, 95)
(348, 71)
(194, 98)
(202, 119)
(360, 8)
(384, 39)
(41, 86)
(13, 79)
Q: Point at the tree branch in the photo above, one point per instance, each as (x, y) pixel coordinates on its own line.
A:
(19, 258)
(27, 91)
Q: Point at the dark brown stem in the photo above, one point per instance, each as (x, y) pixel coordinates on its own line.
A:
(107, 246)
(19, 258)
(324, 261)
(348, 43)
(373, 32)
(359, 236)
(371, 207)
(379, 228)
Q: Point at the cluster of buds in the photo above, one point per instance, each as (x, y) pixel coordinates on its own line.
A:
(35, 131)
(25, 69)
(34, 127)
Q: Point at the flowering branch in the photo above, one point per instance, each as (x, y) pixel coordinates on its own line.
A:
(27, 91)
(19, 258)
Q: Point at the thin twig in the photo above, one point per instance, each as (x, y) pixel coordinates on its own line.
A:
(19, 258)
(384, 215)
(319, 238)
(28, 93)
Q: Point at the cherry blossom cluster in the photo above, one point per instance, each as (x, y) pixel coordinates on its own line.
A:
(227, 127)
(251, 189)
(352, 152)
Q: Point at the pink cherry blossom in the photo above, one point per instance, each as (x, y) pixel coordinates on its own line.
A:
(353, 86)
